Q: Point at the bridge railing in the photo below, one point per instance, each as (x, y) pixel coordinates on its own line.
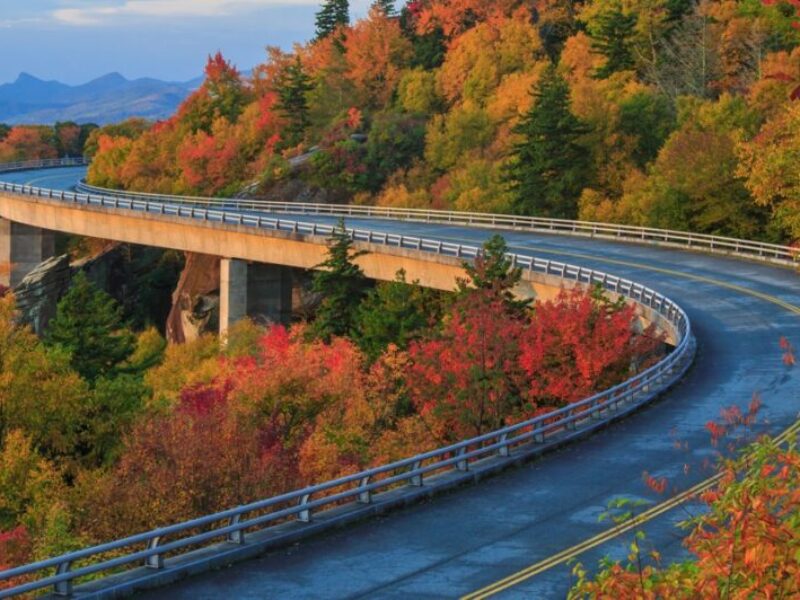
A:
(627, 233)
(234, 525)
(48, 163)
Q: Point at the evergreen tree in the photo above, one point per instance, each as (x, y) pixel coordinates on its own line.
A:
(385, 6)
(549, 168)
(293, 89)
(332, 14)
(342, 284)
(493, 270)
(89, 326)
(396, 313)
(612, 35)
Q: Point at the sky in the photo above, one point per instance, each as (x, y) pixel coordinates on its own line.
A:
(74, 41)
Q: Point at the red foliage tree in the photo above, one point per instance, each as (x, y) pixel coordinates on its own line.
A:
(466, 380)
(577, 346)
(15, 549)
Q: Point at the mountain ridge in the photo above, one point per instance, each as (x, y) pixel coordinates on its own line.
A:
(109, 98)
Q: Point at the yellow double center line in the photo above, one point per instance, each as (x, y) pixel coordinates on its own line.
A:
(605, 536)
(609, 534)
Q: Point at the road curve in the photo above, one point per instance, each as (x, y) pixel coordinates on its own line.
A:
(468, 539)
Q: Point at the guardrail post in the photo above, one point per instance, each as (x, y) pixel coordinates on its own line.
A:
(304, 515)
(63, 588)
(505, 449)
(364, 496)
(463, 464)
(416, 480)
(571, 424)
(154, 561)
(236, 537)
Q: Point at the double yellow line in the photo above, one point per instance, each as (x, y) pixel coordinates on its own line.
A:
(609, 534)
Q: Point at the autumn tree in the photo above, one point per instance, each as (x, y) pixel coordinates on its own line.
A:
(342, 285)
(222, 461)
(466, 379)
(332, 15)
(376, 51)
(743, 544)
(69, 139)
(35, 518)
(549, 167)
(768, 166)
(578, 345)
(28, 143)
(88, 325)
(40, 395)
(225, 88)
(213, 163)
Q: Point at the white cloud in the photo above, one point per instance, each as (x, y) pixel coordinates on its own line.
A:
(97, 15)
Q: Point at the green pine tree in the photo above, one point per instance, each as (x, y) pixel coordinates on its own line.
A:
(89, 326)
(342, 284)
(293, 89)
(395, 312)
(493, 270)
(332, 14)
(549, 167)
(612, 36)
(385, 6)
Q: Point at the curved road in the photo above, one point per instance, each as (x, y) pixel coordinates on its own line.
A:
(459, 543)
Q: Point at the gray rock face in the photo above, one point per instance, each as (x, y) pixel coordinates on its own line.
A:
(120, 270)
(39, 292)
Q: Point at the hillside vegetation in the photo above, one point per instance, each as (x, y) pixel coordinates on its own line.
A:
(663, 113)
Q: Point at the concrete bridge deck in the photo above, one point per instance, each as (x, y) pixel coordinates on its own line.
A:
(470, 538)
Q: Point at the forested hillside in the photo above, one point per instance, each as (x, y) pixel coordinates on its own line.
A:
(663, 113)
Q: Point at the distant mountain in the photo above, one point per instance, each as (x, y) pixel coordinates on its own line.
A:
(107, 99)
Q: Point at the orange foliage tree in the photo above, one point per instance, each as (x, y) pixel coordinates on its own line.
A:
(28, 143)
(745, 545)
(376, 51)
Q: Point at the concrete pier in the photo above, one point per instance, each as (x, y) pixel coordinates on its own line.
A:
(269, 292)
(232, 293)
(22, 248)
(257, 290)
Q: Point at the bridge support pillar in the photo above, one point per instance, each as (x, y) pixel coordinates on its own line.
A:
(22, 248)
(261, 291)
(269, 292)
(232, 293)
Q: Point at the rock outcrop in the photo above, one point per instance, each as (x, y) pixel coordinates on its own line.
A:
(39, 292)
(195, 302)
(137, 277)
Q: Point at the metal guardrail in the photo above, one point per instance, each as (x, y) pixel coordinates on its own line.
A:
(626, 233)
(233, 525)
(48, 163)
